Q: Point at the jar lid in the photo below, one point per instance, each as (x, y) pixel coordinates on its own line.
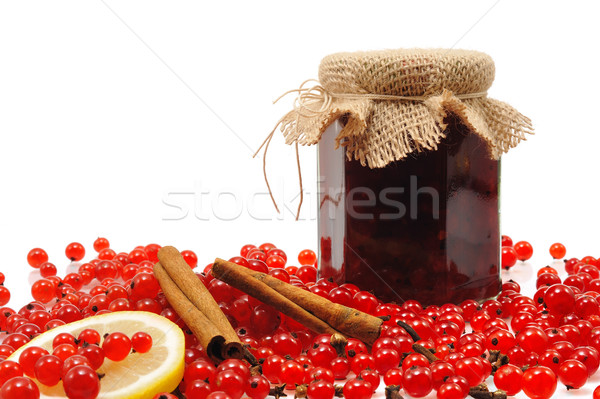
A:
(395, 102)
(407, 72)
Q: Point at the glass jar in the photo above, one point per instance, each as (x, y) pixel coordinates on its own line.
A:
(425, 227)
(409, 148)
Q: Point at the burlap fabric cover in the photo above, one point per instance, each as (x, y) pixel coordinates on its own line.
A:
(380, 129)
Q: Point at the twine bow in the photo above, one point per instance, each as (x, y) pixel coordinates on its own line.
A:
(303, 105)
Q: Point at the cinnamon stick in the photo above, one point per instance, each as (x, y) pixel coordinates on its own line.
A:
(192, 287)
(209, 336)
(236, 276)
(226, 343)
(346, 320)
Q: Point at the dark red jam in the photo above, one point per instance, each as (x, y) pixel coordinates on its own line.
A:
(425, 227)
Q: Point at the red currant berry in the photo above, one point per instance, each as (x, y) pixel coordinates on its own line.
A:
(321, 373)
(74, 280)
(4, 295)
(245, 249)
(501, 340)
(440, 371)
(8, 370)
(29, 357)
(307, 257)
(508, 378)
(372, 377)
(417, 381)
(196, 389)
(256, 254)
(266, 247)
(36, 257)
(532, 339)
(229, 382)
(106, 254)
(63, 338)
(450, 390)
(279, 274)
(285, 344)
(393, 377)
(507, 285)
(547, 279)
(116, 346)
(340, 367)
(47, 269)
(472, 369)
(53, 323)
(277, 252)
(75, 360)
(43, 291)
(20, 388)
(75, 251)
(94, 354)
(264, 320)
(507, 241)
(271, 367)
(461, 382)
(145, 285)
(559, 299)
(509, 257)
(524, 250)
(101, 243)
(307, 274)
(357, 389)
(152, 252)
(236, 365)
(81, 382)
(320, 390)
(16, 340)
(539, 382)
(190, 258)
(199, 370)
(257, 387)
(291, 372)
(141, 342)
(365, 302)
(47, 370)
(414, 359)
(558, 250)
(573, 374)
(218, 395)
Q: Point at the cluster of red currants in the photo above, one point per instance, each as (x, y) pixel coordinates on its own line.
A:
(523, 251)
(74, 361)
(527, 344)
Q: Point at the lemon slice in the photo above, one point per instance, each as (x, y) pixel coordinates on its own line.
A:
(140, 375)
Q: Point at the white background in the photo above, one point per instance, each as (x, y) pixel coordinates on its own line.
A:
(110, 110)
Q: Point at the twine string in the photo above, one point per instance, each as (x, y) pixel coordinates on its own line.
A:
(314, 101)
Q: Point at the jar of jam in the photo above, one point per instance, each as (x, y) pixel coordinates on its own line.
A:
(424, 228)
(409, 151)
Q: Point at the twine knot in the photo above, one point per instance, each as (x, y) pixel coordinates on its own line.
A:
(311, 101)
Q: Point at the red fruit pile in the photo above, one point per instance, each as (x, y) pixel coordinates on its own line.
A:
(73, 361)
(527, 344)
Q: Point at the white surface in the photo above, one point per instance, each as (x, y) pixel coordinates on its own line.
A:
(111, 110)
